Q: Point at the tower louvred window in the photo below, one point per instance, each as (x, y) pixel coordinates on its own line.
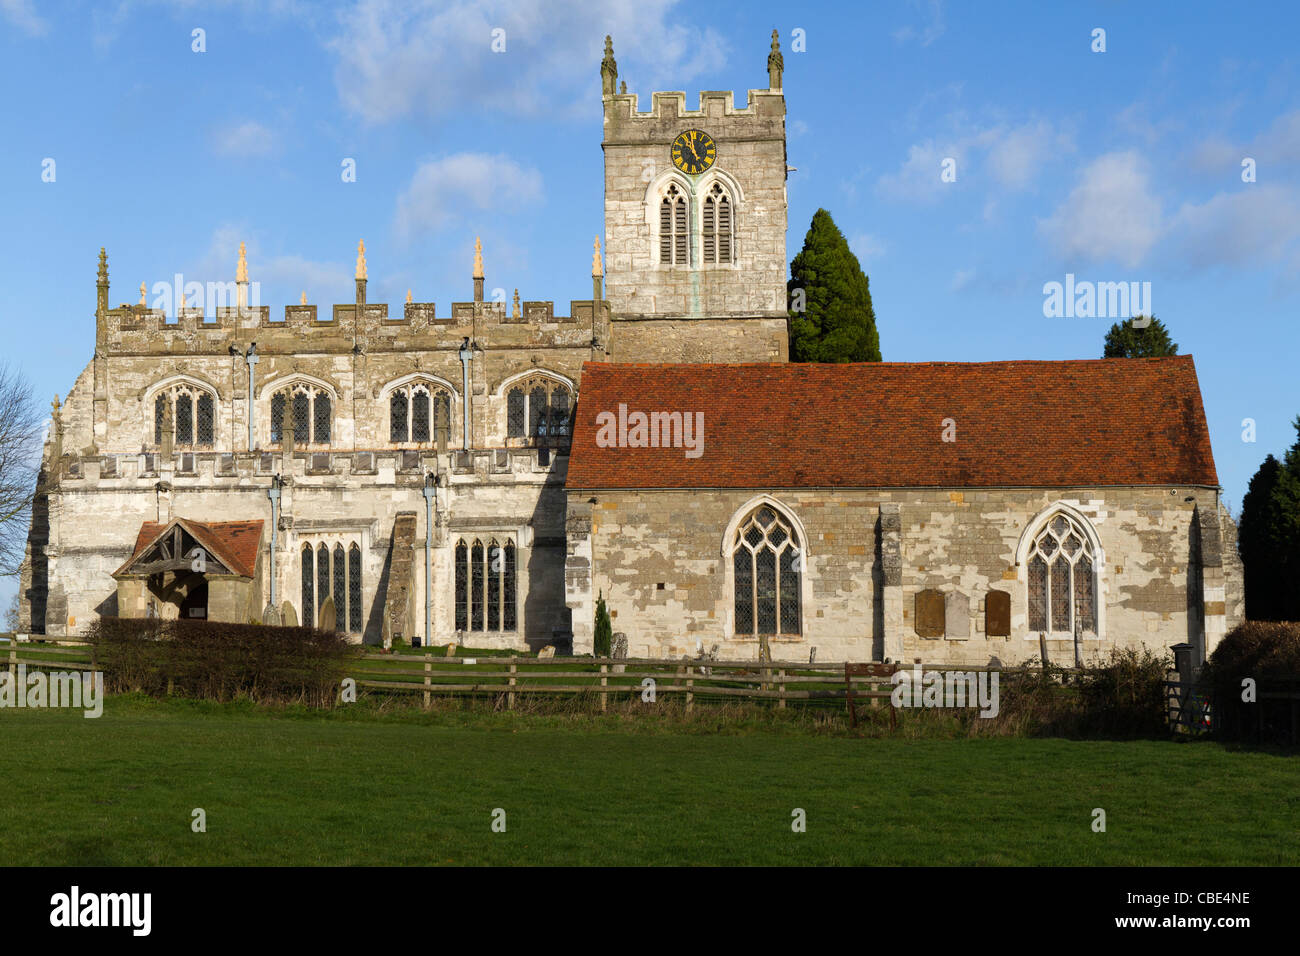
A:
(673, 234)
(717, 226)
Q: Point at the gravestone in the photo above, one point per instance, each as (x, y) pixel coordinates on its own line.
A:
(997, 614)
(929, 613)
(956, 618)
(288, 615)
(546, 652)
(619, 651)
(328, 619)
(270, 616)
(451, 649)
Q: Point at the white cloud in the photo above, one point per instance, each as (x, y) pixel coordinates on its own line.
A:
(927, 32)
(962, 278)
(434, 57)
(1277, 147)
(866, 246)
(22, 14)
(247, 139)
(1011, 156)
(442, 189)
(1110, 215)
(1247, 227)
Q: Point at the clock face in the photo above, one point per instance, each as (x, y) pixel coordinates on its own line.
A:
(694, 151)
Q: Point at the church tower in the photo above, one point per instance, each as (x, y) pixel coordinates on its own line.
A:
(695, 221)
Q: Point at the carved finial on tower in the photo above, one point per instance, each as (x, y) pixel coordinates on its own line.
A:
(596, 268)
(142, 295)
(608, 69)
(101, 284)
(775, 63)
(56, 406)
(408, 295)
(241, 279)
(182, 303)
(514, 313)
(302, 299)
(622, 86)
(478, 258)
(361, 259)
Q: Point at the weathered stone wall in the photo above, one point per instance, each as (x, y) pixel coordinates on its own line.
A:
(658, 559)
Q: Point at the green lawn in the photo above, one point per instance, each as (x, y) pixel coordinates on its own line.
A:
(334, 790)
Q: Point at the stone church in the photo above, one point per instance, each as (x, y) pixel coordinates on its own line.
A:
(483, 471)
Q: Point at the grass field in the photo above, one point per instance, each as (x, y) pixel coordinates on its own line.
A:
(420, 789)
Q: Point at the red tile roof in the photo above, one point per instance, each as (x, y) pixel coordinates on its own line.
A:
(234, 543)
(880, 425)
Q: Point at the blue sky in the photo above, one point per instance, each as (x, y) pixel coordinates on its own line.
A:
(1123, 165)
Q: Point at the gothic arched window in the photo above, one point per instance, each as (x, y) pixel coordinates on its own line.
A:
(187, 411)
(485, 585)
(312, 411)
(673, 245)
(717, 227)
(419, 412)
(539, 409)
(767, 563)
(332, 573)
(1062, 578)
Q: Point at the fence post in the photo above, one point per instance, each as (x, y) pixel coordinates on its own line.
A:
(604, 682)
(428, 678)
(1042, 649)
(781, 703)
(690, 685)
(510, 697)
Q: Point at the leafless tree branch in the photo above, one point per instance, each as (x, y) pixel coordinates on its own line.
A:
(20, 455)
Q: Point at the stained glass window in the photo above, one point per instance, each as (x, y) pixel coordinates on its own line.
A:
(340, 596)
(766, 566)
(442, 423)
(1062, 578)
(494, 568)
(744, 591)
(462, 587)
(1037, 593)
(420, 415)
(397, 417)
(184, 418)
(537, 411)
(323, 417)
(205, 425)
(354, 589)
(322, 579)
(508, 588)
(308, 584)
(672, 228)
(302, 418)
(476, 586)
(277, 417)
(159, 418)
(515, 414)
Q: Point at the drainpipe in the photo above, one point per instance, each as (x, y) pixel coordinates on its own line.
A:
(465, 354)
(274, 494)
(251, 359)
(430, 490)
